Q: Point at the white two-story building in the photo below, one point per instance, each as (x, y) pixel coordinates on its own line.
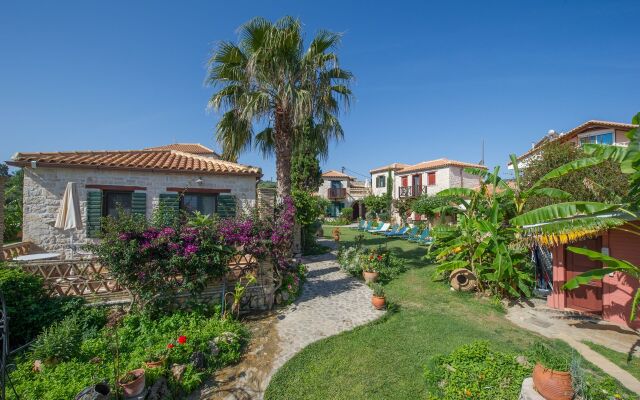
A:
(427, 177)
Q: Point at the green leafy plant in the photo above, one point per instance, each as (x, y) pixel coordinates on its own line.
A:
(378, 289)
(475, 371)
(60, 342)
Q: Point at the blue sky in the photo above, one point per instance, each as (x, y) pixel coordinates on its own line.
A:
(433, 78)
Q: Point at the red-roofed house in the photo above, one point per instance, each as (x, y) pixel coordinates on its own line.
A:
(185, 176)
(594, 131)
(427, 177)
(343, 191)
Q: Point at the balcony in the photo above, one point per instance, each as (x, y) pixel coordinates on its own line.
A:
(411, 191)
(336, 193)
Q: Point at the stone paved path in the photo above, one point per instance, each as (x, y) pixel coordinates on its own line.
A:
(331, 302)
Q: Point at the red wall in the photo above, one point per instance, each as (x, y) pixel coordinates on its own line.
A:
(617, 290)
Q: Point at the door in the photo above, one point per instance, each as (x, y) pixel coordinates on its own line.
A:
(586, 297)
(417, 184)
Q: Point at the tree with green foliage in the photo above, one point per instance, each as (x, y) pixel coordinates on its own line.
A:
(269, 77)
(602, 182)
(306, 173)
(13, 207)
(377, 204)
(309, 209)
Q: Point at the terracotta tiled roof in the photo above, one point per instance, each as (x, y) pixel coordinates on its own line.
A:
(589, 125)
(335, 174)
(137, 160)
(394, 167)
(439, 163)
(193, 148)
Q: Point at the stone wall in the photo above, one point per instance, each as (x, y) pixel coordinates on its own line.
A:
(44, 188)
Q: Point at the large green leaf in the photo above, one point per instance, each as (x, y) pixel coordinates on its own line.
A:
(461, 192)
(562, 210)
(586, 277)
(612, 262)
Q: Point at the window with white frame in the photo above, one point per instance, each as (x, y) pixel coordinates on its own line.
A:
(597, 138)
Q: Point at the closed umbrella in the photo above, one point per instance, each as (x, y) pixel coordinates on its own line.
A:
(69, 213)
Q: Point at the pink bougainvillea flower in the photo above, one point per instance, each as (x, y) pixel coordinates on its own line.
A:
(182, 339)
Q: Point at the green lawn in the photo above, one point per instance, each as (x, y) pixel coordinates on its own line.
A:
(629, 363)
(385, 359)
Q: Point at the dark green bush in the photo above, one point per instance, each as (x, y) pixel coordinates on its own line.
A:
(30, 310)
(475, 371)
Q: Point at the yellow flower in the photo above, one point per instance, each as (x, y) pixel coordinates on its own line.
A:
(467, 392)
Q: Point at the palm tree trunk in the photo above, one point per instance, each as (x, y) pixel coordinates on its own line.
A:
(283, 147)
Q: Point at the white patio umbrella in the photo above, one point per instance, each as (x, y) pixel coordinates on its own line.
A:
(69, 213)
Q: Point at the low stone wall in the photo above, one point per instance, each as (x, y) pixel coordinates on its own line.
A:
(89, 279)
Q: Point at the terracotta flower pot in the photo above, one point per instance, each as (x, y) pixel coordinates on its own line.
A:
(154, 364)
(378, 302)
(552, 384)
(136, 386)
(370, 276)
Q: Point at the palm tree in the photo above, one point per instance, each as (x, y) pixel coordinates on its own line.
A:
(270, 87)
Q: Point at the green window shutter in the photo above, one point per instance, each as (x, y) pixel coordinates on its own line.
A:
(94, 212)
(169, 201)
(139, 203)
(226, 206)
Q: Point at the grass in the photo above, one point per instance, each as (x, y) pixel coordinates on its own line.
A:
(385, 359)
(628, 362)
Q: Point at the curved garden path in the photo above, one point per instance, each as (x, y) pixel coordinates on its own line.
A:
(331, 302)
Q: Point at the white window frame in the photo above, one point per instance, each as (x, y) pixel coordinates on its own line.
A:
(596, 133)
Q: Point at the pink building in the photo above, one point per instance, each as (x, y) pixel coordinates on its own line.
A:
(612, 297)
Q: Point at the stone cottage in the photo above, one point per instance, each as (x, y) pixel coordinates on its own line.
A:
(182, 176)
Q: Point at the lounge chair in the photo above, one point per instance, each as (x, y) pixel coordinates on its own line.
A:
(423, 236)
(394, 229)
(410, 233)
(399, 232)
(361, 224)
(380, 228)
(366, 226)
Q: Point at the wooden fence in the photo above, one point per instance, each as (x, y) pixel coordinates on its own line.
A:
(91, 280)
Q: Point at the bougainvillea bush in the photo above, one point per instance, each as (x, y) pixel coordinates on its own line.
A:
(157, 262)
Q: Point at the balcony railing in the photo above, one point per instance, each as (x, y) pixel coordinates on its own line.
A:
(411, 191)
(336, 193)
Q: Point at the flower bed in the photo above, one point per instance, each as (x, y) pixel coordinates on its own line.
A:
(78, 352)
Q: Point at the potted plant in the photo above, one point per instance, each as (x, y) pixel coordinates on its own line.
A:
(132, 383)
(155, 359)
(551, 376)
(371, 265)
(377, 299)
(336, 234)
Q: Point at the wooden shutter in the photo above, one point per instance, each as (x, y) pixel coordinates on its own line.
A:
(431, 178)
(226, 206)
(169, 201)
(139, 203)
(94, 213)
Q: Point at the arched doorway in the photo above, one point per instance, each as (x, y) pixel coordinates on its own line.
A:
(359, 210)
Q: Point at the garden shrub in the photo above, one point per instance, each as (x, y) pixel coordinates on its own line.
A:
(475, 371)
(346, 214)
(60, 342)
(29, 308)
(355, 259)
(142, 257)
